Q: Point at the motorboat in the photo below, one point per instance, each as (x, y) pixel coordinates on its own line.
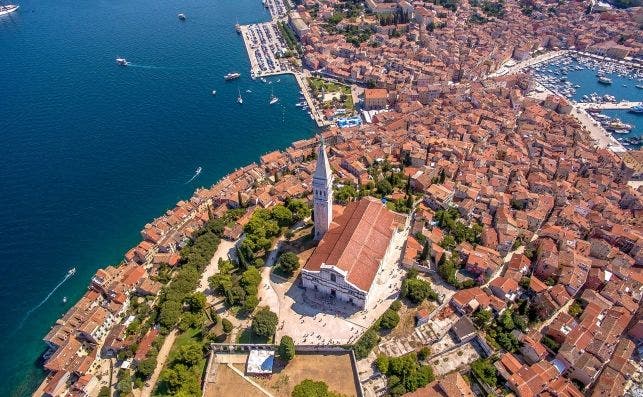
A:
(182, 17)
(604, 80)
(64, 299)
(214, 92)
(8, 9)
(239, 98)
(636, 109)
(232, 76)
(121, 61)
(71, 272)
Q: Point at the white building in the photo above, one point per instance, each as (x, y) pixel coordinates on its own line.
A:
(353, 246)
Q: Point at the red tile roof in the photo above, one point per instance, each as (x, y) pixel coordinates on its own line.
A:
(356, 241)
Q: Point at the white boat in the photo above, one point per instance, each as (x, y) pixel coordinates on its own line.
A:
(621, 131)
(232, 76)
(239, 99)
(604, 80)
(273, 98)
(198, 171)
(121, 61)
(214, 92)
(182, 17)
(9, 8)
(71, 272)
(64, 299)
(237, 27)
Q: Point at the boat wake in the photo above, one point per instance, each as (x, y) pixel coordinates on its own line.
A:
(42, 302)
(196, 174)
(136, 65)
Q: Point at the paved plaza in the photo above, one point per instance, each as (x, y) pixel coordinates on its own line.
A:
(316, 319)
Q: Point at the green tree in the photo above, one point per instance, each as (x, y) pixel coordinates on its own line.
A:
(448, 242)
(289, 262)
(146, 367)
(299, 208)
(485, 371)
(104, 392)
(382, 364)
(282, 215)
(384, 187)
(506, 321)
(482, 318)
(416, 290)
(389, 319)
(575, 309)
(226, 325)
(189, 354)
(310, 388)
(196, 302)
(124, 385)
(170, 314)
(265, 323)
(286, 348)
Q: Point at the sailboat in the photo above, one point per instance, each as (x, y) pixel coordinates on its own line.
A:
(273, 98)
(239, 99)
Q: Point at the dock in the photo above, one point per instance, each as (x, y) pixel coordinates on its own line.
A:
(623, 105)
(263, 43)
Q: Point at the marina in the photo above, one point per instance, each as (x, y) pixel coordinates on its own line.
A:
(606, 93)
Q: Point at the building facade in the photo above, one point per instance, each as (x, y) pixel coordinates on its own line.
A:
(322, 193)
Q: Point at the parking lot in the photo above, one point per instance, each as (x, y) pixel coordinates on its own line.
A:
(264, 45)
(277, 8)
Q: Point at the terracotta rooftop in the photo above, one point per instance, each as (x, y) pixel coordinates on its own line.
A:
(356, 242)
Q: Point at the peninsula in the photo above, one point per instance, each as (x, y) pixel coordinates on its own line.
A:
(472, 234)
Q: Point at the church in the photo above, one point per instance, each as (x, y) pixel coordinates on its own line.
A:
(353, 241)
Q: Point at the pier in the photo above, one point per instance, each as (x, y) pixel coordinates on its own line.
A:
(623, 105)
(264, 43)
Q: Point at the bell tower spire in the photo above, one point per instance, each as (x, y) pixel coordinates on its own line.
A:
(322, 192)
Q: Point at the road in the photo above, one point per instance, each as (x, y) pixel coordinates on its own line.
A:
(160, 363)
(224, 251)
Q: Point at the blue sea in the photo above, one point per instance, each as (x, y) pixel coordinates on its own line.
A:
(90, 151)
(623, 88)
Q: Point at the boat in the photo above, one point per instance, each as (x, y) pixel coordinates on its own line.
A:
(621, 131)
(239, 99)
(639, 86)
(214, 92)
(71, 272)
(265, 4)
(636, 109)
(232, 76)
(8, 9)
(64, 299)
(121, 61)
(263, 80)
(198, 171)
(617, 124)
(273, 98)
(604, 80)
(237, 27)
(248, 91)
(182, 17)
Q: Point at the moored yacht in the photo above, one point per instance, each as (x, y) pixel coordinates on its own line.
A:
(9, 8)
(232, 76)
(604, 80)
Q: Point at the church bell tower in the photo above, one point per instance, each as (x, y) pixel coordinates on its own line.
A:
(322, 192)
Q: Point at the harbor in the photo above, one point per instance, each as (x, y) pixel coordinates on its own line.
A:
(602, 91)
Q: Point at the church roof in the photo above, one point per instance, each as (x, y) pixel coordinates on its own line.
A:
(322, 169)
(356, 241)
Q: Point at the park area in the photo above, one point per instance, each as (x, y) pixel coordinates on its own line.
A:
(334, 369)
(334, 94)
